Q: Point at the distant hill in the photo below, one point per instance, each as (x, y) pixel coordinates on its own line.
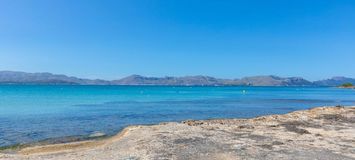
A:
(11, 77)
(274, 81)
(211, 81)
(335, 81)
(185, 81)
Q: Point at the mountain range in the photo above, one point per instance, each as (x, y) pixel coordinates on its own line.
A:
(12, 77)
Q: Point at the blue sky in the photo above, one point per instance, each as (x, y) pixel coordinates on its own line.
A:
(106, 39)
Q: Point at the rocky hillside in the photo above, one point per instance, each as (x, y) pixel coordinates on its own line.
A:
(274, 81)
(211, 81)
(335, 81)
(10, 77)
(185, 81)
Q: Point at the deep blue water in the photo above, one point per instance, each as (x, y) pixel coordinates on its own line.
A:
(33, 113)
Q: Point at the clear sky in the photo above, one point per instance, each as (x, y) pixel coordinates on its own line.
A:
(106, 39)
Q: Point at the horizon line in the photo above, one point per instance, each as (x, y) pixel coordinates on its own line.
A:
(266, 75)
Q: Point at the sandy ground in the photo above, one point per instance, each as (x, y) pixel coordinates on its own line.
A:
(319, 133)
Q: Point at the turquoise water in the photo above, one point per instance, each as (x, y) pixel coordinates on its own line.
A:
(33, 113)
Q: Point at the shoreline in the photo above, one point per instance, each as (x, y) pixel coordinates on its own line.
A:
(296, 122)
(352, 87)
(86, 139)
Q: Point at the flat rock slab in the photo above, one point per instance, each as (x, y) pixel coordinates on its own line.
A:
(319, 133)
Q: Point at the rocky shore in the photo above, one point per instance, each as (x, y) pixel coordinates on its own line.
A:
(318, 133)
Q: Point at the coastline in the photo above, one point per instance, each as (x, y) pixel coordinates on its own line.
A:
(313, 133)
(352, 87)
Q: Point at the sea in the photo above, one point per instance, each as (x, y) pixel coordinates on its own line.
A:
(39, 113)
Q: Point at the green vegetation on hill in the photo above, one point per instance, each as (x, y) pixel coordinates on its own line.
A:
(347, 85)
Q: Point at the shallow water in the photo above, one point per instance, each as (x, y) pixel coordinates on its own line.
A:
(30, 113)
